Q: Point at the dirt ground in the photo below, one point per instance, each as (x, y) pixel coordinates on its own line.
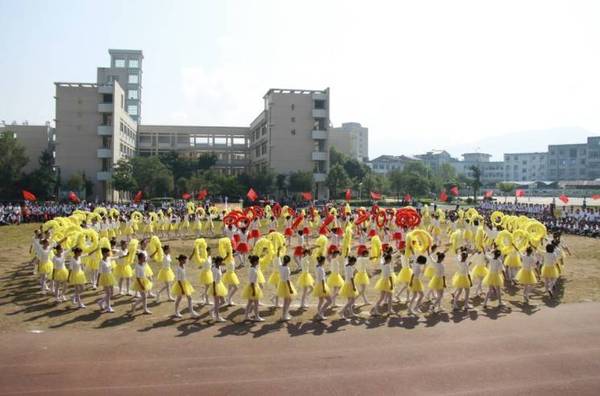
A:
(23, 308)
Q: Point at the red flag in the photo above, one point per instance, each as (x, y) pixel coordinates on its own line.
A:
(137, 198)
(73, 197)
(407, 198)
(488, 194)
(375, 196)
(202, 194)
(443, 196)
(519, 193)
(596, 196)
(307, 196)
(348, 194)
(454, 191)
(564, 198)
(252, 195)
(186, 196)
(28, 196)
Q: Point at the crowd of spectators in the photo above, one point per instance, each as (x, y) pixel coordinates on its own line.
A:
(584, 221)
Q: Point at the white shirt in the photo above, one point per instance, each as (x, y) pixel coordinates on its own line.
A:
(166, 261)
(416, 269)
(527, 262)
(216, 271)
(45, 253)
(549, 259)
(59, 261)
(386, 270)
(305, 264)
(496, 265)
(252, 275)
(320, 273)
(75, 264)
(439, 269)
(361, 264)
(179, 274)
(105, 266)
(140, 270)
(334, 265)
(463, 267)
(284, 273)
(207, 264)
(348, 273)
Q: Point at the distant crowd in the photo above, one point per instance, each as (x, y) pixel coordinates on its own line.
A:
(583, 221)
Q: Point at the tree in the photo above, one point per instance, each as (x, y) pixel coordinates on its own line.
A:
(42, 181)
(506, 188)
(281, 183)
(475, 181)
(183, 185)
(122, 176)
(396, 178)
(206, 161)
(336, 179)
(75, 182)
(162, 183)
(88, 186)
(301, 181)
(12, 161)
(336, 157)
(146, 171)
(355, 169)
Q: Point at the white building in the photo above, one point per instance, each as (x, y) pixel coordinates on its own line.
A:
(358, 138)
(525, 166)
(491, 171)
(387, 163)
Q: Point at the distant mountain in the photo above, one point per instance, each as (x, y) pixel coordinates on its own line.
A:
(520, 142)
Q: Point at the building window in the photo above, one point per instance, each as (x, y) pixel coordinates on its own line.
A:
(293, 107)
(134, 63)
(119, 62)
(293, 132)
(320, 104)
(133, 79)
(132, 110)
(132, 94)
(264, 148)
(293, 119)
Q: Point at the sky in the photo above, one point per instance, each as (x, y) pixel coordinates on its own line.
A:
(489, 76)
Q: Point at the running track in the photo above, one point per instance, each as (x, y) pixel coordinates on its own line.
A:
(553, 351)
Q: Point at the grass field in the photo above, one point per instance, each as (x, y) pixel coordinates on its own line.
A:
(23, 308)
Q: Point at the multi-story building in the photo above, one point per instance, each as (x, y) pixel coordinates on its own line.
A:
(525, 166)
(436, 158)
(229, 144)
(567, 162)
(355, 136)
(126, 69)
(491, 172)
(593, 157)
(93, 132)
(34, 138)
(291, 134)
(387, 163)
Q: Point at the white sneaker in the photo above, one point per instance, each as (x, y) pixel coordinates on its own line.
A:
(177, 315)
(259, 319)
(195, 314)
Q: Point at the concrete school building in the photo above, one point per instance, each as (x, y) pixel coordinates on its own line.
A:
(35, 139)
(99, 123)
